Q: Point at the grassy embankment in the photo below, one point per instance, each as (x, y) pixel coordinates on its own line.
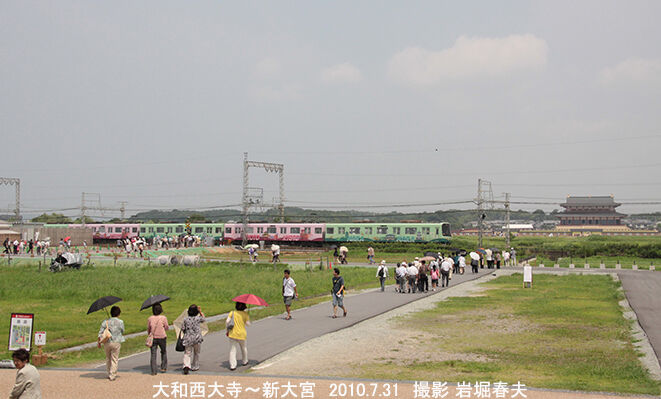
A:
(60, 300)
(567, 332)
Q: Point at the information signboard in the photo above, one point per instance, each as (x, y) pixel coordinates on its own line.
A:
(20, 331)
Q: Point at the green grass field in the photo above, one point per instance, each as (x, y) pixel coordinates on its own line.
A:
(567, 332)
(60, 300)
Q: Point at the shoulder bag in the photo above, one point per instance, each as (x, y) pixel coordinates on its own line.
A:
(229, 323)
(180, 343)
(150, 340)
(106, 335)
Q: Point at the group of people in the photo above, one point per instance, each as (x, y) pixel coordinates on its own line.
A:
(416, 276)
(191, 336)
(340, 255)
(185, 241)
(17, 247)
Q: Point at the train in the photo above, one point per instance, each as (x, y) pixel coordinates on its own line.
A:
(276, 232)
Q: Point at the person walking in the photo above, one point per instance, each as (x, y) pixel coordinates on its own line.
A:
(28, 383)
(382, 274)
(238, 334)
(434, 274)
(289, 292)
(370, 255)
(338, 292)
(462, 264)
(401, 275)
(423, 279)
(116, 327)
(489, 258)
(474, 265)
(192, 338)
(411, 277)
(157, 325)
(446, 265)
(513, 256)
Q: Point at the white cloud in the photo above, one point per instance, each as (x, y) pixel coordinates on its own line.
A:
(267, 68)
(341, 73)
(469, 57)
(632, 71)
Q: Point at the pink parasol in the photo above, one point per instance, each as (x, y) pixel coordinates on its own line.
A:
(250, 299)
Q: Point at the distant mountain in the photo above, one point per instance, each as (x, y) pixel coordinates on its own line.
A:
(457, 218)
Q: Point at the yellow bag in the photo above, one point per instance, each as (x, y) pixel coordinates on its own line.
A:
(106, 335)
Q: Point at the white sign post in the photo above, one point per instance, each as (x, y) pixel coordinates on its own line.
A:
(527, 276)
(40, 338)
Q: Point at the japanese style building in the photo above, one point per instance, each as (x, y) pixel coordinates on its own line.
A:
(591, 214)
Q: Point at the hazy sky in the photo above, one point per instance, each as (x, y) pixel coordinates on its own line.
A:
(365, 103)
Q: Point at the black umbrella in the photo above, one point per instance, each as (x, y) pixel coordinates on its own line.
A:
(432, 253)
(153, 300)
(102, 303)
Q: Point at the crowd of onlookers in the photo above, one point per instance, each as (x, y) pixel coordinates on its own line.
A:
(17, 247)
(138, 244)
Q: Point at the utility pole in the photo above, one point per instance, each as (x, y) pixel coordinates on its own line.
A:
(507, 217)
(484, 196)
(122, 209)
(82, 209)
(17, 185)
(91, 201)
(245, 200)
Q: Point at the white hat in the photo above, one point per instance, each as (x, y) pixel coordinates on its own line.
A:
(383, 262)
(416, 258)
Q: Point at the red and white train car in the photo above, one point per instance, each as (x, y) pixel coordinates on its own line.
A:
(276, 232)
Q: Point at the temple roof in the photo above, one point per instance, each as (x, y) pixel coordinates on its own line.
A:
(589, 215)
(606, 200)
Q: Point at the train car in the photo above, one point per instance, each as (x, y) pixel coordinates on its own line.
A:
(388, 232)
(114, 231)
(204, 230)
(276, 232)
(151, 230)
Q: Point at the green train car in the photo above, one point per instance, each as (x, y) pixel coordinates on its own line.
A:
(388, 232)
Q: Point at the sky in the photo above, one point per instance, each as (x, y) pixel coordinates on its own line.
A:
(375, 105)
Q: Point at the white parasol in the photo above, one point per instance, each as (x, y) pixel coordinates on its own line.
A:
(275, 247)
(255, 246)
(344, 249)
(474, 255)
(204, 329)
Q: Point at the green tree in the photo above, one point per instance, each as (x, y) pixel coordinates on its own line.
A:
(88, 220)
(196, 218)
(53, 218)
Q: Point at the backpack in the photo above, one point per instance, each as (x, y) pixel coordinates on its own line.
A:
(381, 272)
(474, 262)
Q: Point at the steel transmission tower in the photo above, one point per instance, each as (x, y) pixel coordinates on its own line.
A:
(246, 198)
(92, 201)
(17, 184)
(484, 199)
(507, 218)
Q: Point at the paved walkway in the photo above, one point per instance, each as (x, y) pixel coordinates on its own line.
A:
(272, 335)
(643, 291)
(90, 384)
